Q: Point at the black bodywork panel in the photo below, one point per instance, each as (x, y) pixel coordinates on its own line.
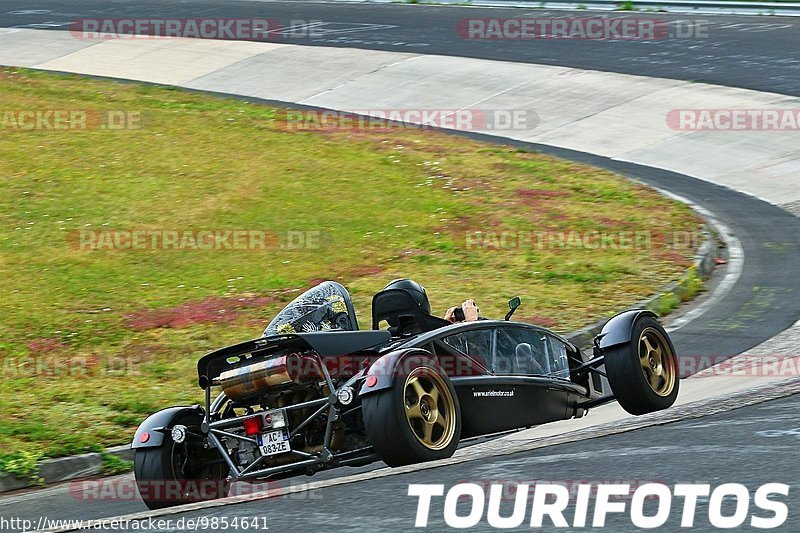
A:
(160, 422)
(336, 343)
(491, 404)
(325, 343)
(619, 327)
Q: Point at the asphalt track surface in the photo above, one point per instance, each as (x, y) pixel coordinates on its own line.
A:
(751, 446)
(760, 436)
(749, 52)
(758, 53)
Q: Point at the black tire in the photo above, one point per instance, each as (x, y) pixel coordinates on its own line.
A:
(642, 380)
(399, 440)
(176, 474)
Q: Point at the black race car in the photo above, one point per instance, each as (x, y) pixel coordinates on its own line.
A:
(315, 392)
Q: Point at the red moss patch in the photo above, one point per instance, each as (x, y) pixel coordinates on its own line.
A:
(205, 311)
(45, 345)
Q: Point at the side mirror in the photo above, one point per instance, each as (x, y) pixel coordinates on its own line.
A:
(513, 303)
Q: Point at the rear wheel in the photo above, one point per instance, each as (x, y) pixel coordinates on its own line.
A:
(643, 373)
(179, 473)
(417, 420)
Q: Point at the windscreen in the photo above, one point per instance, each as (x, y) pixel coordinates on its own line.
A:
(326, 307)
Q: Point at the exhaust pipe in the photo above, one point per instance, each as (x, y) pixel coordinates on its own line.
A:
(257, 378)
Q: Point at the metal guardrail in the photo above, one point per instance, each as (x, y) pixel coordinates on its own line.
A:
(791, 9)
(689, 6)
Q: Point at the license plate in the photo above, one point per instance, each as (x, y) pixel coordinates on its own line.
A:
(274, 442)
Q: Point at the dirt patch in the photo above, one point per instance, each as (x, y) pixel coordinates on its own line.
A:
(140, 352)
(674, 257)
(467, 184)
(313, 282)
(543, 321)
(366, 271)
(541, 199)
(540, 193)
(610, 223)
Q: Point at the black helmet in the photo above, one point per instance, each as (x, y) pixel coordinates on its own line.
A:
(413, 288)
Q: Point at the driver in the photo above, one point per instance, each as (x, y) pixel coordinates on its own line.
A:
(469, 309)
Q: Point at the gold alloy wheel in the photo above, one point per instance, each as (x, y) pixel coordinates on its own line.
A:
(657, 361)
(429, 407)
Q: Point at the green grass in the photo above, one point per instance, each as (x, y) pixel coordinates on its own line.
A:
(93, 341)
(22, 464)
(114, 465)
(686, 288)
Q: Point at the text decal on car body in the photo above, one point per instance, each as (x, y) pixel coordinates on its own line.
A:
(508, 393)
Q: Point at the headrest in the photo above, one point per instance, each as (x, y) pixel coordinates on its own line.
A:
(403, 314)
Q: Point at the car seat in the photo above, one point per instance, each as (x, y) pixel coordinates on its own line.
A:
(525, 361)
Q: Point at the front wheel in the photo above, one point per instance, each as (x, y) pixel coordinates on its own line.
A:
(417, 420)
(179, 473)
(643, 373)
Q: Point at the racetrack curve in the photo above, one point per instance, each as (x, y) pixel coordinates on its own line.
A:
(763, 302)
(745, 51)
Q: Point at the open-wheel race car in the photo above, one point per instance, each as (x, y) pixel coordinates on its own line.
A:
(315, 392)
